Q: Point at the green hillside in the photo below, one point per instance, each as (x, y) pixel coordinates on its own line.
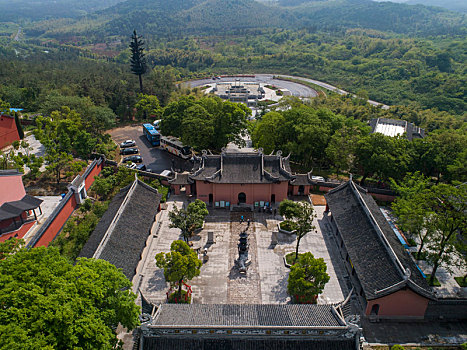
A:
(181, 18)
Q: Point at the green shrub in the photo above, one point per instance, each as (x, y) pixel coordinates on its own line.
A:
(288, 225)
(397, 347)
(86, 205)
(435, 281)
(460, 281)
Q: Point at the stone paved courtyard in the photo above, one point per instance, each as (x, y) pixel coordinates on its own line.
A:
(220, 281)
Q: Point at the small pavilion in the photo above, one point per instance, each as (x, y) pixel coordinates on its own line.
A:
(17, 209)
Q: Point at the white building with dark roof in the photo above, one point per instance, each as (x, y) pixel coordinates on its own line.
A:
(394, 127)
(245, 92)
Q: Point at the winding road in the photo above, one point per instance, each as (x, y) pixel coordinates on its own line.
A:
(296, 89)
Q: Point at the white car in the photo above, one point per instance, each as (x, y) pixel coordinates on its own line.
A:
(166, 173)
(318, 178)
(128, 143)
(131, 165)
(157, 124)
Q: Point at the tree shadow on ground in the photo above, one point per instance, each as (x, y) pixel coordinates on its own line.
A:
(157, 282)
(280, 290)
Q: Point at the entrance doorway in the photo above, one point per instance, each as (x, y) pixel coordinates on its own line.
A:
(301, 190)
(211, 198)
(241, 198)
(374, 309)
(273, 198)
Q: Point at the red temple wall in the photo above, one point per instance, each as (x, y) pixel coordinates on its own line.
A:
(403, 303)
(229, 192)
(8, 131)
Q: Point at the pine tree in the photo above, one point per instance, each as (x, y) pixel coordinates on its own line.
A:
(137, 60)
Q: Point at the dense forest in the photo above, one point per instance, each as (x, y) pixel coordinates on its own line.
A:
(84, 63)
(175, 18)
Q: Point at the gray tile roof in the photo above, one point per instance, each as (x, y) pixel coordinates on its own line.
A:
(245, 343)
(121, 234)
(181, 179)
(380, 262)
(198, 315)
(302, 179)
(14, 209)
(242, 168)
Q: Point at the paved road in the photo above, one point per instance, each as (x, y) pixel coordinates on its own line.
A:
(295, 89)
(155, 158)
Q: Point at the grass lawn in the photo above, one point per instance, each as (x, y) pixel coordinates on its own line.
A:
(435, 281)
(288, 225)
(290, 258)
(460, 281)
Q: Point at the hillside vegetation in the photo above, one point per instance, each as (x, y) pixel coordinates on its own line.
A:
(177, 18)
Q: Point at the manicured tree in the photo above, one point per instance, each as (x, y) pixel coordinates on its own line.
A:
(447, 206)
(137, 60)
(189, 219)
(181, 263)
(304, 221)
(307, 278)
(301, 214)
(289, 209)
(50, 303)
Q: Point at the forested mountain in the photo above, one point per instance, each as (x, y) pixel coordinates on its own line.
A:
(453, 5)
(179, 18)
(33, 10)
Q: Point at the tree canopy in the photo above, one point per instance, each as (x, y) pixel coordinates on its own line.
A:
(180, 264)
(307, 278)
(205, 123)
(50, 303)
(189, 219)
(301, 214)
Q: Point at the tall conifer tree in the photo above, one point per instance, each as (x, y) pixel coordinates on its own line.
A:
(137, 60)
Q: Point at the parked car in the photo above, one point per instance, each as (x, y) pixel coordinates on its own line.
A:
(166, 173)
(134, 159)
(318, 178)
(157, 124)
(141, 167)
(131, 165)
(128, 143)
(131, 150)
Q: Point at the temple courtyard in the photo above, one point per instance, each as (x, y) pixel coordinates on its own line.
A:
(220, 282)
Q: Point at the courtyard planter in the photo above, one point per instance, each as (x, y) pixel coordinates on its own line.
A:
(303, 299)
(187, 298)
(287, 230)
(288, 259)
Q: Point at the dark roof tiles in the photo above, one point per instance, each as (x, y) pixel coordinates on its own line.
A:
(242, 168)
(376, 264)
(134, 210)
(247, 315)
